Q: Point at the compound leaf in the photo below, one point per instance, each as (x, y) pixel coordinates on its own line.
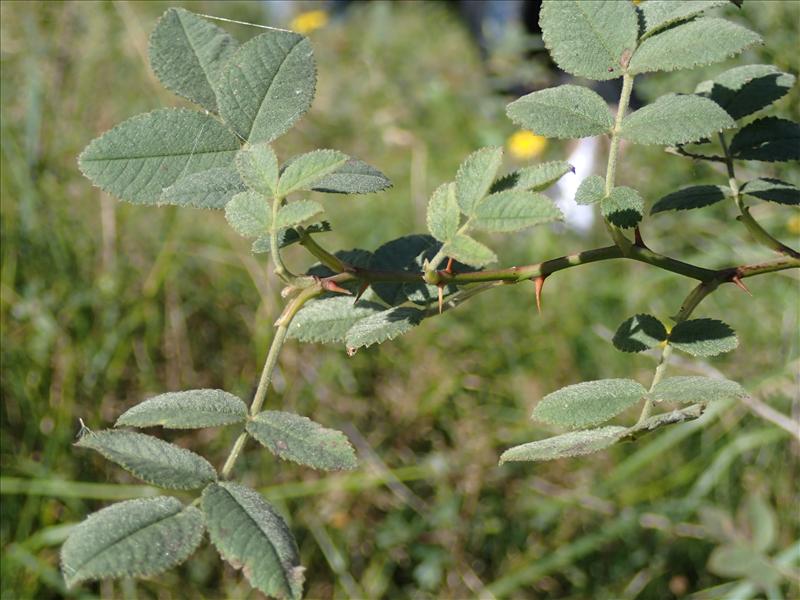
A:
(250, 535)
(589, 39)
(695, 196)
(151, 459)
(675, 119)
(206, 189)
(623, 207)
(588, 403)
(696, 389)
(443, 214)
(258, 167)
(773, 190)
(475, 177)
(591, 190)
(141, 156)
(512, 210)
(741, 91)
(353, 177)
(191, 409)
(770, 139)
(267, 85)
(535, 178)
(660, 14)
(575, 443)
(187, 54)
(299, 439)
(136, 538)
(249, 214)
(328, 320)
(296, 213)
(306, 170)
(469, 251)
(703, 337)
(383, 326)
(639, 333)
(565, 111)
(700, 42)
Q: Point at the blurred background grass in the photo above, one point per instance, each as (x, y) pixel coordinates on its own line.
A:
(105, 304)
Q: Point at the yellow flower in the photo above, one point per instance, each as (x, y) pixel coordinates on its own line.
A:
(794, 225)
(309, 21)
(526, 145)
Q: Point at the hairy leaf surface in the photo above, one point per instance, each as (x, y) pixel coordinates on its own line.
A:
(575, 443)
(329, 319)
(695, 196)
(741, 91)
(206, 189)
(588, 403)
(475, 177)
(383, 326)
(773, 190)
(353, 177)
(703, 337)
(535, 178)
(623, 207)
(639, 333)
(660, 14)
(696, 389)
(249, 214)
(258, 167)
(591, 190)
(675, 119)
(306, 170)
(566, 111)
(469, 251)
(296, 213)
(191, 409)
(443, 214)
(513, 210)
(770, 139)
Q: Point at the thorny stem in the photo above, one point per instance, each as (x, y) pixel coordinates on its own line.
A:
(619, 238)
(280, 268)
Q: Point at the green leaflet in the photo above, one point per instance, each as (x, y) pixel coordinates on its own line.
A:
(566, 111)
(696, 389)
(591, 190)
(329, 319)
(512, 210)
(742, 561)
(187, 54)
(443, 215)
(773, 190)
(383, 326)
(267, 85)
(258, 167)
(206, 189)
(136, 538)
(535, 178)
(299, 439)
(588, 403)
(695, 196)
(296, 213)
(660, 14)
(250, 535)
(589, 39)
(353, 177)
(249, 214)
(700, 42)
(469, 251)
(675, 119)
(306, 170)
(741, 91)
(191, 409)
(639, 333)
(139, 157)
(623, 207)
(770, 139)
(575, 443)
(763, 523)
(703, 337)
(151, 459)
(475, 177)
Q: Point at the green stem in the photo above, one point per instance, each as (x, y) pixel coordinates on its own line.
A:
(647, 409)
(277, 260)
(617, 235)
(326, 258)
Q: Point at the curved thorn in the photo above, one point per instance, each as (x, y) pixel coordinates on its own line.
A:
(332, 286)
(740, 284)
(539, 282)
(361, 291)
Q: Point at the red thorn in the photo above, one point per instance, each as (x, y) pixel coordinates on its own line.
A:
(441, 297)
(539, 282)
(332, 286)
(449, 268)
(740, 284)
(638, 238)
(361, 291)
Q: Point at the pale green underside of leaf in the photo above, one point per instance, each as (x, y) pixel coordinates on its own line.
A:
(675, 119)
(575, 443)
(191, 409)
(136, 538)
(639, 333)
(534, 178)
(696, 389)
(566, 111)
(588, 403)
(383, 326)
(742, 561)
(475, 177)
(703, 337)
(299, 439)
(296, 213)
(328, 320)
(741, 91)
(700, 42)
(695, 196)
(443, 215)
(770, 139)
(660, 14)
(139, 157)
(249, 214)
(353, 177)
(250, 535)
(773, 190)
(258, 167)
(762, 521)
(267, 85)
(513, 210)
(151, 459)
(623, 207)
(591, 190)
(187, 54)
(469, 251)
(306, 170)
(207, 189)
(589, 39)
